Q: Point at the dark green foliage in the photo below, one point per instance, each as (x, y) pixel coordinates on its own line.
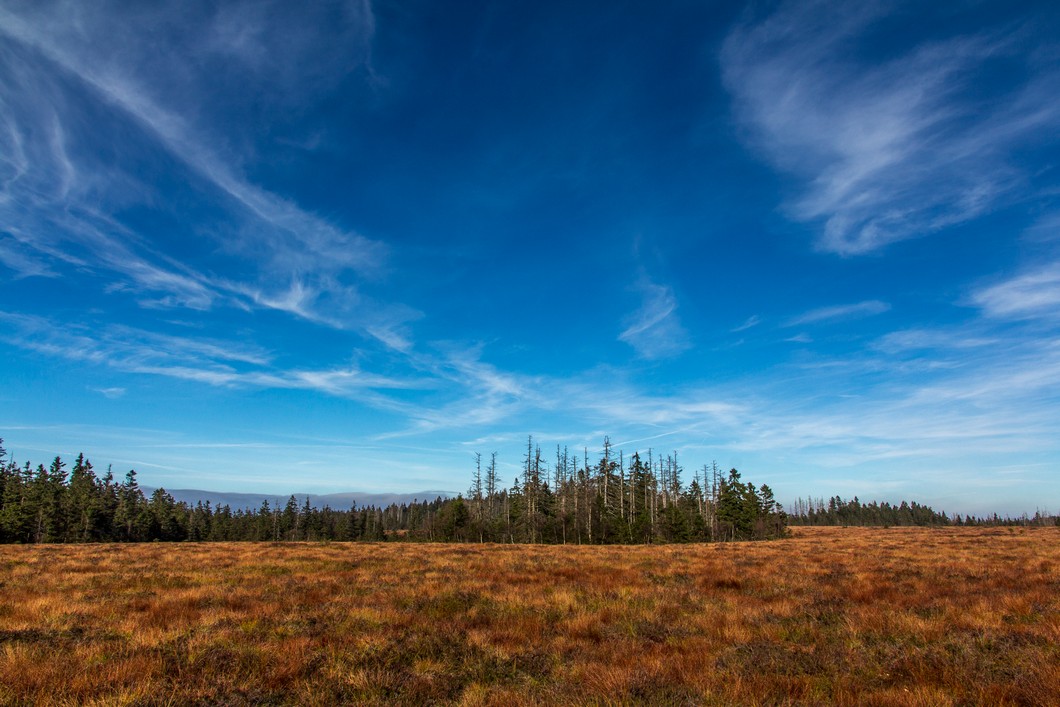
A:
(616, 500)
(745, 512)
(605, 502)
(836, 511)
(454, 521)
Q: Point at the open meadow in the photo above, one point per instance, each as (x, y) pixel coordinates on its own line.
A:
(893, 616)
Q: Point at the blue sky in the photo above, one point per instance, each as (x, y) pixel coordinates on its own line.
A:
(257, 246)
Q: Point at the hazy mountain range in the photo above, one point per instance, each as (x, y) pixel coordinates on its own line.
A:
(337, 501)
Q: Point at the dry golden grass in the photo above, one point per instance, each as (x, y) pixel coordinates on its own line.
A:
(832, 616)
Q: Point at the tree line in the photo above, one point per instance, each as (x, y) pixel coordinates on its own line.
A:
(836, 511)
(614, 499)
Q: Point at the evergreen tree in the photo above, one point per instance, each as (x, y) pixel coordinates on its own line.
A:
(49, 499)
(130, 516)
(83, 502)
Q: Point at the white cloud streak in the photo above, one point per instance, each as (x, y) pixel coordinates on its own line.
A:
(215, 363)
(750, 322)
(841, 312)
(935, 340)
(654, 330)
(1034, 294)
(894, 148)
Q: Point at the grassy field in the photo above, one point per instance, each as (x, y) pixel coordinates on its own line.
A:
(831, 616)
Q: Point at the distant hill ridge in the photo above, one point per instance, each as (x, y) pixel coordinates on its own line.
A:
(338, 501)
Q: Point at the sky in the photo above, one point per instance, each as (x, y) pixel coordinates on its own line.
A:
(282, 247)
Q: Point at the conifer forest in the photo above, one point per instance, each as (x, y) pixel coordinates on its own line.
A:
(616, 499)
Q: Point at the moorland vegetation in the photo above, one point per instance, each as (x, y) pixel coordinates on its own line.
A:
(838, 616)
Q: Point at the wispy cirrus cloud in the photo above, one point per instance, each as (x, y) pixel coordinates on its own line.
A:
(839, 312)
(476, 392)
(59, 199)
(750, 322)
(1033, 294)
(896, 147)
(924, 339)
(208, 361)
(654, 329)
